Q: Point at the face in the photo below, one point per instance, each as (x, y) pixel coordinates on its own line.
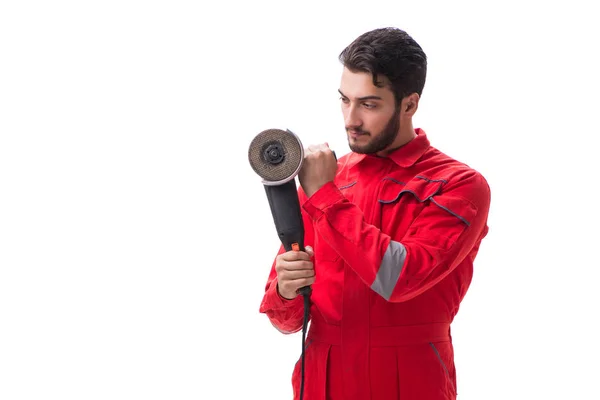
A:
(371, 117)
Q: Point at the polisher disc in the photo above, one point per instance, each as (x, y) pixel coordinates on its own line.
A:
(276, 156)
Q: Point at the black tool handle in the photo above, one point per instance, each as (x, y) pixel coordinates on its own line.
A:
(285, 208)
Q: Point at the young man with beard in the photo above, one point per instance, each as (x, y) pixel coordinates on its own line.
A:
(395, 226)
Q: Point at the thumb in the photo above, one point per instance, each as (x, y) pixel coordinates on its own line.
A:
(310, 251)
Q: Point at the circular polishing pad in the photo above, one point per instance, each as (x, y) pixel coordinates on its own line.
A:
(276, 156)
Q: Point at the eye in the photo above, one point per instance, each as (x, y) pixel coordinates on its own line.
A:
(369, 105)
(344, 100)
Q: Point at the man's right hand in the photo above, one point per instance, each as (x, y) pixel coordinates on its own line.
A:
(294, 270)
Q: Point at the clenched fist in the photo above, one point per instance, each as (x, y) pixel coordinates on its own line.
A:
(294, 270)
(318, 168)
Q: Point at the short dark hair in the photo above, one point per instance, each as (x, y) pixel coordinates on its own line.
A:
(390, 52)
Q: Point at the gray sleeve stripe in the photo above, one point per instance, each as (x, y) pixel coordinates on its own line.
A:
(389, 270)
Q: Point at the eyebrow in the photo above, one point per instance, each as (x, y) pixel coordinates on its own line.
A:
(362, 98)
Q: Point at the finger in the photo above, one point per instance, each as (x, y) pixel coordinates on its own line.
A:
(295, 255)
(300, 283)
(296, 275)
(303, 282)
(309, 150)
(314, 147)
(324, 147)
(296, 265)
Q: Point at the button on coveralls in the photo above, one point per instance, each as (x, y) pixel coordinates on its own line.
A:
(394, 239)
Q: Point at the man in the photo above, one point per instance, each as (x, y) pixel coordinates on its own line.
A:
(392, 231)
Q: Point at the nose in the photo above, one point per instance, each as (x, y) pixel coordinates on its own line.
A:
(351, 117)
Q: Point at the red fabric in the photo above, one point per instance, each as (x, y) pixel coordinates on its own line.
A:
(360, 345)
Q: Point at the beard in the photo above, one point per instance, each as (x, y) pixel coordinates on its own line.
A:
(380, 141)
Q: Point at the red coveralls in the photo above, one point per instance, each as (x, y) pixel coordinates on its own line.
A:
(394, 239)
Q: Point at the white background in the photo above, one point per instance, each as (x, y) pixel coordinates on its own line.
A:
(135, 240)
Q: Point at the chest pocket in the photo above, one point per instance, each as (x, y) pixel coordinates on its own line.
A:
(402, 201)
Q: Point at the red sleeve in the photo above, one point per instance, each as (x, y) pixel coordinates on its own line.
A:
(286, 315)
(452, 223)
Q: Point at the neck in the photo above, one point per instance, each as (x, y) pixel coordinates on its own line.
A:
(405, 135)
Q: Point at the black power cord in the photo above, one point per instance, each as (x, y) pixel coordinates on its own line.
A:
(306, 295)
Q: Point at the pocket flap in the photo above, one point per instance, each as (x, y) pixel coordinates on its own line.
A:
(420, 187)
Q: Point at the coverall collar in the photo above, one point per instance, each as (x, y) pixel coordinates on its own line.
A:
(405, 156)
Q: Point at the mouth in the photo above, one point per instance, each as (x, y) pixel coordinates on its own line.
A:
(356, 135)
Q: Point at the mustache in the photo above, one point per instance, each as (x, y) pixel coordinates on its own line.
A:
(357, 130)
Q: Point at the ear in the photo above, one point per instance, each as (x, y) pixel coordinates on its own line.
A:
(410, 104)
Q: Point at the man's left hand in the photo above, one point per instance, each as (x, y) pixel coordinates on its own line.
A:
(318, 168)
